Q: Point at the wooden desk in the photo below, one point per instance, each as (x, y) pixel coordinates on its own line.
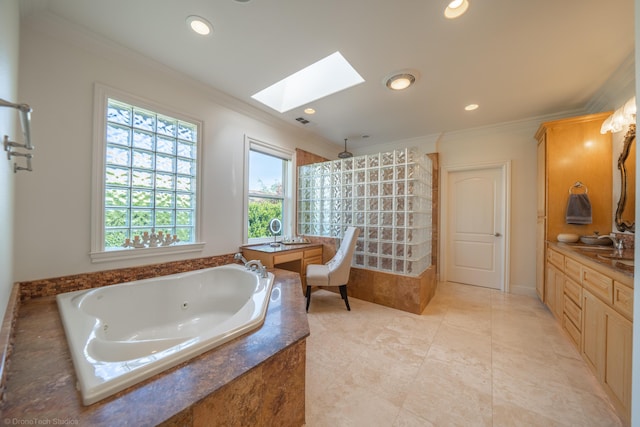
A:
(287, 257)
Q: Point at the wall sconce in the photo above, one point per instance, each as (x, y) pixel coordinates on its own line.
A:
(25, 121)
(621, 118)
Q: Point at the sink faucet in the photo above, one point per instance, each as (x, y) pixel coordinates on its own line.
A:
(617, 243)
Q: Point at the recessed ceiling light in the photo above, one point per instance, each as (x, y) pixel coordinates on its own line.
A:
(310, 84)
(309, 111)
(400, 81)
(456, 8)
(471, 107)
(199, 25)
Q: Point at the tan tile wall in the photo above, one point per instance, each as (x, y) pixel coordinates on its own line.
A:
(58, 285)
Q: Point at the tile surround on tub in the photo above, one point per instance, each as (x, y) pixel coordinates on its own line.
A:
(58, 285)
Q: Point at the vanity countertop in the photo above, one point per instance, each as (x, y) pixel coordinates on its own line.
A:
(282, 247)
(601, 257)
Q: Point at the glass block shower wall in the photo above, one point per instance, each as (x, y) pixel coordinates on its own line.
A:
(386, 195)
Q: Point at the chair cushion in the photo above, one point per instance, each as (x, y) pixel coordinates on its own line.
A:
(317, 275)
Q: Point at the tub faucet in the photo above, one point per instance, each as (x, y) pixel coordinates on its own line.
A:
(239, 257)
(617, 243)
(256, 265)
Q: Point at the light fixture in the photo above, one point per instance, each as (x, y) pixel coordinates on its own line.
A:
(456, 8)
(345, 154)
(471, 107)
(309, 110)
(620, 118)
(199, 25)
(400, 81)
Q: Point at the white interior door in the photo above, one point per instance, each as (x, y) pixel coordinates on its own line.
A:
(476, 227)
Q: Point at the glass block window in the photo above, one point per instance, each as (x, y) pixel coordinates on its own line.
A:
(150, 175)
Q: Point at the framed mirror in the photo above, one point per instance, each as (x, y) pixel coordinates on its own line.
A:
(626, 211)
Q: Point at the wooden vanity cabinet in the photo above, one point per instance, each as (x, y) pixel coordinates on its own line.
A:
(606, 347)
(571, 150)
(597, 315)
(287, 257)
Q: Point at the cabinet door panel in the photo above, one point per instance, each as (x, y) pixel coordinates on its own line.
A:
(617, 375)
(593, 333)
(550, 287)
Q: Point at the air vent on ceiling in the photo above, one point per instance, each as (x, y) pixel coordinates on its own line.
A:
(302, 120)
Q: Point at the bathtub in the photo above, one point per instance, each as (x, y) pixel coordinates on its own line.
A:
(122, 334)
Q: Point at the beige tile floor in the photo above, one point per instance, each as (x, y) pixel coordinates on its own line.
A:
(475, 357)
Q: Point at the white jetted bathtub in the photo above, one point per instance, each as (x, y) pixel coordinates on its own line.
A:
(122, 334)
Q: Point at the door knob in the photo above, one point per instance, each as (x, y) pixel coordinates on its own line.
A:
(497, 234)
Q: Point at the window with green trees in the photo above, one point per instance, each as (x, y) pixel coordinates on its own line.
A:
(267, 192)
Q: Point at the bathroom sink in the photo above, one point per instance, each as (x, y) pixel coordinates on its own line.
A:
(627, 262)
(593, 248)
(616, 257)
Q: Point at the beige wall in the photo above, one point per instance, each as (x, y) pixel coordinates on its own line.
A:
(9, 31)
(59, 68)
(511, 142)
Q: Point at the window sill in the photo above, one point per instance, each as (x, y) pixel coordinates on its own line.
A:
(117, 255)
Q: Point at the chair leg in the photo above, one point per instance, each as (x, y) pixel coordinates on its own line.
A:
(308, 297)
(343, 294)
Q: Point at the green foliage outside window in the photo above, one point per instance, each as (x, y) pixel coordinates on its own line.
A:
(261, 211)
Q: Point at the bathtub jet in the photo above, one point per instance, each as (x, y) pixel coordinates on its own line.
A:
(122, 334)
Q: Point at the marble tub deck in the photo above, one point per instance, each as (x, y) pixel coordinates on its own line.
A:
(41, 381)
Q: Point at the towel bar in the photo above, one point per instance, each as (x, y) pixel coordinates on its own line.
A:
(578, 184)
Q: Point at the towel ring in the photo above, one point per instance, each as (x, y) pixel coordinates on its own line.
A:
(578, 184)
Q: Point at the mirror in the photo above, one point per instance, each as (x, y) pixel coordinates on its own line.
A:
(626, 211)
(275, 227)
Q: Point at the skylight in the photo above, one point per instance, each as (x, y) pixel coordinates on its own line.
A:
(325, 77)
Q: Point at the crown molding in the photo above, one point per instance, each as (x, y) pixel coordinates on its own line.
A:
(618, 88)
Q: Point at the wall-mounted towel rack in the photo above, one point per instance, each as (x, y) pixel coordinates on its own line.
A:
(9, 146)
(578, 185)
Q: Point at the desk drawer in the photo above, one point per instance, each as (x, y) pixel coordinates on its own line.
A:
(555, 258)
(573, 290)
(598, 284)
(573, 312)
(572, 269)
(286, 257)
(573, 332)
(623, 299)
(315, 252)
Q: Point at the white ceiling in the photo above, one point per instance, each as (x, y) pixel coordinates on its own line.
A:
(516, 58)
